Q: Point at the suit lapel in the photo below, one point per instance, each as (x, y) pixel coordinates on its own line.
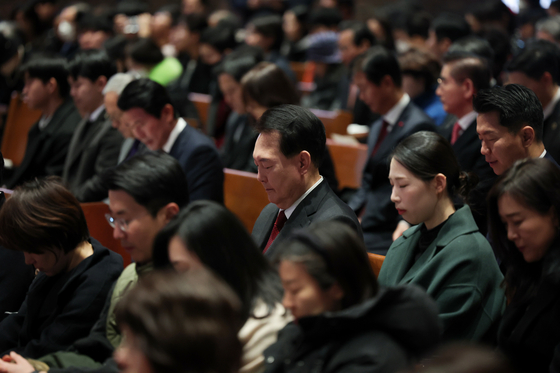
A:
(74, 149)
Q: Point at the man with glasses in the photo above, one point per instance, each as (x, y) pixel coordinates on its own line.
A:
(145, 193)
(148, 111)
(462, 77)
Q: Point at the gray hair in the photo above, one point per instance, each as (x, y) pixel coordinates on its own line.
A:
(551, 26)
(117, 83)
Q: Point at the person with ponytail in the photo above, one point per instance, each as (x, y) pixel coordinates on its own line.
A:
(523, 210)
(443, 252)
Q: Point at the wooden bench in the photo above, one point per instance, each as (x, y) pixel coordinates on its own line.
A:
(349, 162)
(100, 229)
(244, 195)
(334, 121)
(18, 122)
(202, 103)
(376, 261)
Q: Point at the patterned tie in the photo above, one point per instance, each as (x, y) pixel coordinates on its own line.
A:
(455, 134)
(381, 137)
(278, 225)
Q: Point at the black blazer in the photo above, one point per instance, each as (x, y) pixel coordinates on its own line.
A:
(467, 151)
(46, 149)
(238, 155)
(94, 148)
(15, 278)
(319, 205)
(44, 325)
(551, 132)
(380, 217)
(201, 162)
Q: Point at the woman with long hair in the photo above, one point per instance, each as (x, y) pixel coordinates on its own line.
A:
(523, 210)
(343, 321)
(208, 235)
(443, 252)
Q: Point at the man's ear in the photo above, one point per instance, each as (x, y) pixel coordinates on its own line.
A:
(304, 162)
(335, 292)
(167, 113)
(527, 136)
(100, 83)
(52, 86)
(440, 183)
(546, 79)
(469, 89)
(386, 82)
(169, 211)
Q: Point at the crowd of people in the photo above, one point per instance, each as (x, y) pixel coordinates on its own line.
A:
(460, 192)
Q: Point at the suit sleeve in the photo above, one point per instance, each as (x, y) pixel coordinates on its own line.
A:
(205, 175)
(55, 164)
(109, 148)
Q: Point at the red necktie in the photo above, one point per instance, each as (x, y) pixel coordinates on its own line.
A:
(278, 225)
(381, 137)
(455, 134)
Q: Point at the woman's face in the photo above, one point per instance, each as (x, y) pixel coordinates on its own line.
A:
(232, 91)
(49, 262)
(181, 258)
(302, 294)
(129, 357)
(414, 198)
(291, 26)
(530, 231)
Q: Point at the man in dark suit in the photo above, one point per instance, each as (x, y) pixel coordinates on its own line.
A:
(379, 79)
(95, 144)
(462, 76)
(537, 68)
(288, 153)
(149, 112)
(510, 126)
(46, 89)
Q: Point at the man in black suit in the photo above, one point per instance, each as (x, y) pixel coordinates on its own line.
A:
(149, 112)
(379, 79)
(288, 153)
(462, 76)
(537, 68)
(46, 89)
(510, 126)
(95, 144)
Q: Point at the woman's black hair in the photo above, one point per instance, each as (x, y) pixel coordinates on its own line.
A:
(222, 243)
(332, 254)
(427, 154)
(534, 183)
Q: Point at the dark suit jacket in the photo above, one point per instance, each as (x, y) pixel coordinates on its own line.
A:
(319, 205)
(201, 162)
(551, 132)
(46, 324)
(94, 148)
(467, 151)
(46, 149)
(380, 217)
(15, 278)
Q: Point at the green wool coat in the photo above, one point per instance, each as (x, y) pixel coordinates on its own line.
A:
(458, 270)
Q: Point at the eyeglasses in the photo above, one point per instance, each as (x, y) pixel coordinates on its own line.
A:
(120, 223)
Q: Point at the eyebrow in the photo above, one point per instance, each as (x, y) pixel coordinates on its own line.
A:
(120, 212)
(397, 177)
(512, 214)
(492, 132)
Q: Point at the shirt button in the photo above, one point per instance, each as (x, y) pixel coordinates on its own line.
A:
(270, 359)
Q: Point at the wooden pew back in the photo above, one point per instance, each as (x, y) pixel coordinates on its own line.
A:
(349, 162)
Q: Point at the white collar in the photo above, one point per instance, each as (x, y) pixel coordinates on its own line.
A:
(550, 107)
(179, 127)
(291, 209)
(393, 115)
(95, 114)
(466, 120)
(542, 154)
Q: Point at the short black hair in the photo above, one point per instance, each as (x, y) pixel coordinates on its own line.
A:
(474, 45)
(270, 27)
(91, 22)
(328, 17)
(379, 62)
(195, 22)
(516, 105)
(219, 37)
(145, 94)
(299, 130)
(145, 51)
(418, 23)
(240, 61)
(153, 179)
(46, 67)
(132, 8)
(361, 32)
(469, 66)
(536, 59)
(451, 26)
(92, 64)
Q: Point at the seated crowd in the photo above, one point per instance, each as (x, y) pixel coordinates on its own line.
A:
(146, 113)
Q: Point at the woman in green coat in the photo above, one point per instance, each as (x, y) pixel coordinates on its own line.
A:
(443, 252)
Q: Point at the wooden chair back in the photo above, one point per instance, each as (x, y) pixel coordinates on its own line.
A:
(244, 195)
(101, 230)
(376, 261)
(349, 162)
(334, 121)
(18, 122)
(202, 103)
